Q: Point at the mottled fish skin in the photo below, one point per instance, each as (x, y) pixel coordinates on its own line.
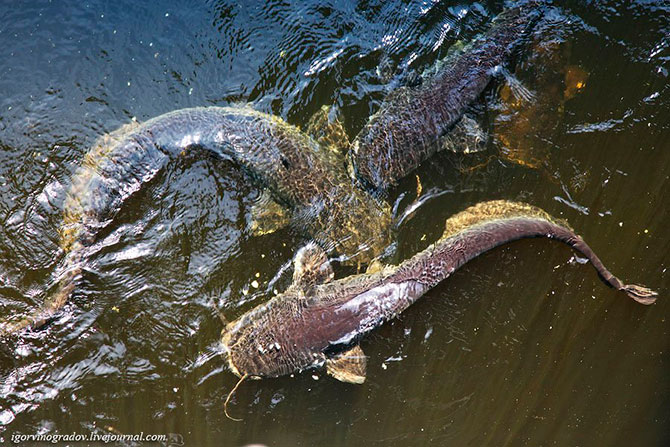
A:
(310, 181)
(411, 122)
(302, 327)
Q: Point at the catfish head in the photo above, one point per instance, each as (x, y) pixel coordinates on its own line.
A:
(302, 328)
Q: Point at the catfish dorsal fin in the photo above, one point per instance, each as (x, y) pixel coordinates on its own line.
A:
(311, 266)
(348, 366)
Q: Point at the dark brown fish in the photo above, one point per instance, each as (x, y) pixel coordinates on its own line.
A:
(412, 122)
(318, 321)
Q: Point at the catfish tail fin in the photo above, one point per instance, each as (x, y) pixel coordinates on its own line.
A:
(45, 312)
(641, 294)
(487, 225)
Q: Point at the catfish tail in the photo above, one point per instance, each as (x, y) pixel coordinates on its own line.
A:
(45, 312)
(487, 225)
(76, 231)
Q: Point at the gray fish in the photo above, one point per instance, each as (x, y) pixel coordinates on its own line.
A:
(300, 175)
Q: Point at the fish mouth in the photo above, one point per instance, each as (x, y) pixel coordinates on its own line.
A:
(227, 353)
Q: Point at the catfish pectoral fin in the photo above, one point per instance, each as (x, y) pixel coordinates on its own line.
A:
(375, 266)
(520, 92)
(466, 137)
(267, 216)
(348, 366)
(311, 266)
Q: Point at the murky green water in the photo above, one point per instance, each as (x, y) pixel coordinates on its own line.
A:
(524, 346)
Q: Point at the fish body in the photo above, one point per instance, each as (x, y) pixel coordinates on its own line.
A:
(306, 179)
(300, 175)
(411, 122)
(319, 187)
(317, 318)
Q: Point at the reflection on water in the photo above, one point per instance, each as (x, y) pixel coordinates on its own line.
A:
(489, 357)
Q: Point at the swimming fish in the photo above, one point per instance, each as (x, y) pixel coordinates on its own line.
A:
(412, 123)
(318, 321)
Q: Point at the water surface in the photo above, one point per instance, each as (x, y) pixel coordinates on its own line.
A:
(523, 346)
